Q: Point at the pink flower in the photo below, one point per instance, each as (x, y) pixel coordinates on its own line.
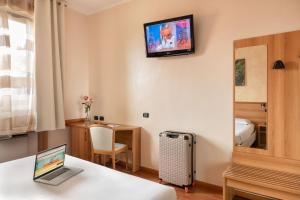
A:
(87, 101)
(85, 98)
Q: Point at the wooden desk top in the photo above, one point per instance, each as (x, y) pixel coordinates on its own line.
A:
(82, 124)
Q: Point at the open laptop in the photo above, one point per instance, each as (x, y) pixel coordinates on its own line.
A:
(49, 167)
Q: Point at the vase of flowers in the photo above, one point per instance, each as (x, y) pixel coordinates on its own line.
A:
(87, 102)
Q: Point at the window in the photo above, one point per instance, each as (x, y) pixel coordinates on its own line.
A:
(17, 77)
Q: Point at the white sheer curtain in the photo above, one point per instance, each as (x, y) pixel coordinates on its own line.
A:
(17, 74)
(49, 39)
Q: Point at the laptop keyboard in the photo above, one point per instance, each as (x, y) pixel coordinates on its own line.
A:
(55, 174)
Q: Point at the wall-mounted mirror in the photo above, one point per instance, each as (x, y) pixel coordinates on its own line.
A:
(250, 104)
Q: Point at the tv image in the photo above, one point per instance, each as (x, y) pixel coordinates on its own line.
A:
(170, 37)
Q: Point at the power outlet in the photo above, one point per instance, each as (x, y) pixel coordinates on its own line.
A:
(146, 115)
(99, 118)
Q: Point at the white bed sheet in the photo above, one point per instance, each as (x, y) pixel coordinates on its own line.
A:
(243, 132)
(94, 183)
(249, 141)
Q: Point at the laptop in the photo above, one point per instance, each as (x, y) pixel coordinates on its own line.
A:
(49, 167)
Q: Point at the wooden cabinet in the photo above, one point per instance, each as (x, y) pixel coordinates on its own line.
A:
(279, 164)
(80, 143)
(283, 119)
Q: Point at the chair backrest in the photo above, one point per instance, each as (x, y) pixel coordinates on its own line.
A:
(102, 138)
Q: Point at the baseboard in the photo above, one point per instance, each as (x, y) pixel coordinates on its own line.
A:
(208, 186)
(196, 182)
(149, 170)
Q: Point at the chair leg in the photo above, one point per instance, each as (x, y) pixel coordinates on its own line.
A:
(99, 158)
(114, 161)
(126, 154)
(93, 157)
(104, 160)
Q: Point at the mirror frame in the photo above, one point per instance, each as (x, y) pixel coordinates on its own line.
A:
(264, 40)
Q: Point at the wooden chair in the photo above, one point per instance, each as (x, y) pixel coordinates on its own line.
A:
(103, 143)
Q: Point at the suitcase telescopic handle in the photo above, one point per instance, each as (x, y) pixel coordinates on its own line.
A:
(172, 135)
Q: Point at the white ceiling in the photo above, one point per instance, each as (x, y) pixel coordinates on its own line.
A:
(89, 7)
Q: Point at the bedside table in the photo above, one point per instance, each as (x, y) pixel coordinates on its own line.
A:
(262, 135)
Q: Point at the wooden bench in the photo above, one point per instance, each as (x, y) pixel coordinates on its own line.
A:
(269, 183)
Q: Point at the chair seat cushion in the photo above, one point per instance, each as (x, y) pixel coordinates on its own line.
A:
(119, 146)
(107, 148)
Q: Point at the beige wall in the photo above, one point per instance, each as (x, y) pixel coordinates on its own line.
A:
(256, 61)
(75, 73)
(76, 70)
(188, 93)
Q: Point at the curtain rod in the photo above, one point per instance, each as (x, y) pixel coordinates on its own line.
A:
(16, 13)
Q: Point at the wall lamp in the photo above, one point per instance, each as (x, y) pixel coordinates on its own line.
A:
(279, 65)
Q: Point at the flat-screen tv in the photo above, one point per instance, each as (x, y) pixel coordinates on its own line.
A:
(170, 37)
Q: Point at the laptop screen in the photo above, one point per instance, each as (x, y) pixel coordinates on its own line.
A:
(49, 160)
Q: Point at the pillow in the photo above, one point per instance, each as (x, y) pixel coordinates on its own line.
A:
(242, 121)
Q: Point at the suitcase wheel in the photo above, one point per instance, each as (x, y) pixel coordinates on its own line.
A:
(186, 189)
(193, 184)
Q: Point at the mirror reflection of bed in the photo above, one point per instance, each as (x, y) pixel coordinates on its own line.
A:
(251, 125)
(245, 133)
(250, 106)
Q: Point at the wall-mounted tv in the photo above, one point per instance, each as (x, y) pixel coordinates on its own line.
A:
(170, 37)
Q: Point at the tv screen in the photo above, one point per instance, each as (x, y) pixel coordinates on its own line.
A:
(170, 37)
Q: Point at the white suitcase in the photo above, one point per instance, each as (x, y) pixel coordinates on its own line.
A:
(176, 158)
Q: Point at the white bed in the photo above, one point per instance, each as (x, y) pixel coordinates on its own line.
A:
(245, 134)
(94, 183)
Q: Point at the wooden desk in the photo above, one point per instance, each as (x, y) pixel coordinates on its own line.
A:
(80, 143)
